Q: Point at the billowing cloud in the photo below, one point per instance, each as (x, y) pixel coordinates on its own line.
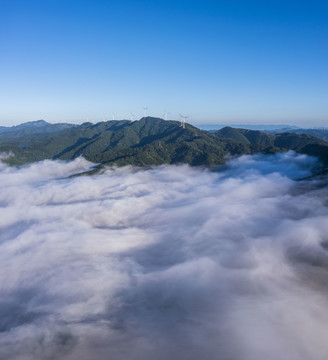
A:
(170, 262)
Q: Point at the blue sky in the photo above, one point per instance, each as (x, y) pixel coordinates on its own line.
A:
(217, 61)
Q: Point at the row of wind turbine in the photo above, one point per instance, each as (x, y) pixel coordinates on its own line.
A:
(166, 113)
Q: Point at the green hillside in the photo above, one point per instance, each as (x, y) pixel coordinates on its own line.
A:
(153, 141)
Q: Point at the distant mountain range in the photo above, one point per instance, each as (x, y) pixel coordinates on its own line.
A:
(32, 127)
(215, 127)
(320, 133)
(149, 141)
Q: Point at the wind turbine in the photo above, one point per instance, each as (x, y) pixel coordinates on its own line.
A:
(145, 108)
(183, 120)
(113, 116)
(165, 115)
(132, 117)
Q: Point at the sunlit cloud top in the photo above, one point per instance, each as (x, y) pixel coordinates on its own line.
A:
(170, 262)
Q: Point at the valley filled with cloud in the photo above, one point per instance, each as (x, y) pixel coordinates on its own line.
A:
(167, 262)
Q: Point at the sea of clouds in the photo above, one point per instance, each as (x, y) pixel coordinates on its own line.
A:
(172, 262)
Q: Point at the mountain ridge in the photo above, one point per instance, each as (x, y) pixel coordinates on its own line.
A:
(32, 127)
(153, 141)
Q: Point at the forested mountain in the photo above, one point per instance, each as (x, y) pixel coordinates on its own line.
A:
(153, 141)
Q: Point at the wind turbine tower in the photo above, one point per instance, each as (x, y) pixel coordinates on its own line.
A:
(183, 121)
(165, 115)
(132, 117)
(113, 116)
(145, 108)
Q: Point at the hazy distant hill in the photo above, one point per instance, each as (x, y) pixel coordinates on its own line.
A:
(32, 127)
(273, 128)
(320, 133)
(153, 141)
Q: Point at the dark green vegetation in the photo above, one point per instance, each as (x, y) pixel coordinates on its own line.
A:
(152, 141)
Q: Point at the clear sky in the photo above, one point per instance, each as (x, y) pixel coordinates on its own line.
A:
(230, 61)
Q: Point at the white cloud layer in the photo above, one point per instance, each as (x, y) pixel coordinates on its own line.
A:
(168, 263)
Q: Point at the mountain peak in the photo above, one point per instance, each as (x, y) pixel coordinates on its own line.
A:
(149, 141)
(40, 122)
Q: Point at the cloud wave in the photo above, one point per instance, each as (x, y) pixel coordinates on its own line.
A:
(170, 262)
